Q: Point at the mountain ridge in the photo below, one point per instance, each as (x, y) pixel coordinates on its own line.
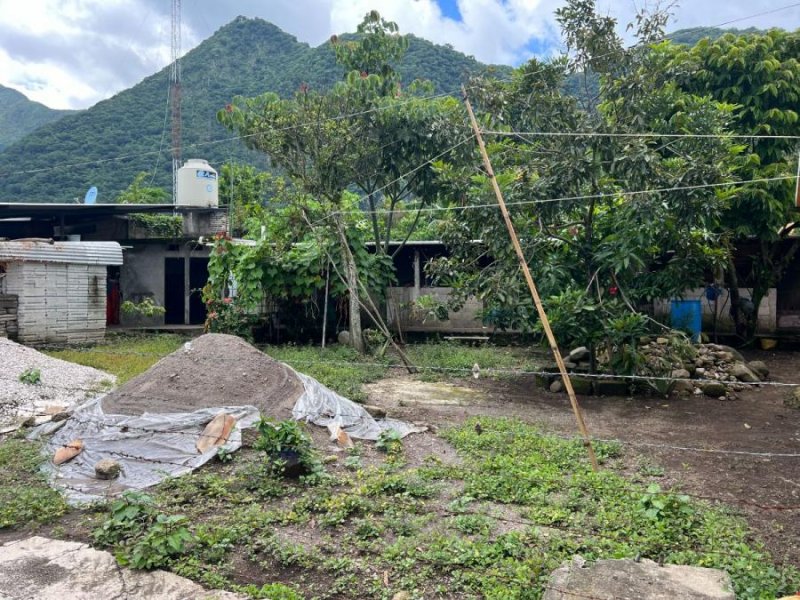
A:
(247, 57)
(19, 115)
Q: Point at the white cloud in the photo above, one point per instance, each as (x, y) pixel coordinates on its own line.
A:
(72, 53)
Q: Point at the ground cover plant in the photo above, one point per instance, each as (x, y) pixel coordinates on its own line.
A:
(492, 524)
(25, 496)
(123, 355)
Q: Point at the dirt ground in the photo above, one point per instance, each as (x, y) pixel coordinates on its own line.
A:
(763, 489)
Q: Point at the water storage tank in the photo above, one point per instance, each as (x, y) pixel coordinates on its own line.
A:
(197, 184)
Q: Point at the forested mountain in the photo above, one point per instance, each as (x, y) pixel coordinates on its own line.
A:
(19, 116)
(108, 144)
(692, 35)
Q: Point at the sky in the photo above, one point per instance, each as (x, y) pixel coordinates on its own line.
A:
(74, 53)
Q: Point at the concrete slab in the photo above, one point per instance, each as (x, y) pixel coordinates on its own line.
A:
(410, 392)
(631, 580)
(40, 568)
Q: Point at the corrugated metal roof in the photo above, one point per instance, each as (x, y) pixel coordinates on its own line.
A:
(81, 253)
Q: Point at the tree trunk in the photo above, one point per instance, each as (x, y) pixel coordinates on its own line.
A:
(351, 275)
(736, 300)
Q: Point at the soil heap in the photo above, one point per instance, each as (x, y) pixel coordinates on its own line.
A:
(212, 370)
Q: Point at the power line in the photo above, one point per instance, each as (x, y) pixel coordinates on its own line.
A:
(639, 135)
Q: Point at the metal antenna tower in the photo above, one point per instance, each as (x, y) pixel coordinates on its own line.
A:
(175, 96)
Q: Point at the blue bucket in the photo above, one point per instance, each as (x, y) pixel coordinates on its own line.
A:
(687, 315)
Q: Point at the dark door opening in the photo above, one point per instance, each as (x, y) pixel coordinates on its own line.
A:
(198, 277)
(174, 291)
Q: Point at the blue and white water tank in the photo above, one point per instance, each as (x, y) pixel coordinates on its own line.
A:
(198, 184)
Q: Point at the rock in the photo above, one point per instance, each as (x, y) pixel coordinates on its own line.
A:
(344, 338)
(733, 352)
(579, 354)
(46, 569)
(793, 399)
(713, 389)
(682, 388)
(760, 368)
(662, 341)
(107, 469)
(700, 371)
(568, 364)
(331, 458)
(68, 452)
(556, 387)
(401, 596)
(742, 372)
(680, 374)
(643, 580)
(377, 412)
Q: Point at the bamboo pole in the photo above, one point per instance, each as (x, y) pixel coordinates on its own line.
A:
(532, 287)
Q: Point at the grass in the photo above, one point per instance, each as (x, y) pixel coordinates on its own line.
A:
(25, 497)
(123, 355)
(340, 368)
(494, 525)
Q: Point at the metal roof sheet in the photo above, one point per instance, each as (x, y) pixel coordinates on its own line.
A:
(81, 253)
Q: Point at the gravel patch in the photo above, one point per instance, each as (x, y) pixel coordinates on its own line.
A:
(61, 385)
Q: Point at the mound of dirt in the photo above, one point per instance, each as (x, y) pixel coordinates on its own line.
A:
(212, 370)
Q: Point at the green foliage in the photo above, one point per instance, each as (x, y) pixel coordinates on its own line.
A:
(140, 193)
(158, 226)
(270, 591)
(287, 445)
(31, 376)
(142, 537)
(390, 442)
(122, 355)
(20, 116)
(146, 308)
(25, 497)
(337, 367)
(246, 56)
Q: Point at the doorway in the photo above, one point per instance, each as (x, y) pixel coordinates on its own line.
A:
(174, 291)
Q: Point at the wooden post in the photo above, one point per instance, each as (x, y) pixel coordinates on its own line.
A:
(532, 287)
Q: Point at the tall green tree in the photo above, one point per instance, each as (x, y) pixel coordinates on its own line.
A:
(760, 75)
(598, 252)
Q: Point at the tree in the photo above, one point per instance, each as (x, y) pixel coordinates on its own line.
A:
(760, 74)
(364, 134)
(598, 252)
(245, 190)
(139, 193)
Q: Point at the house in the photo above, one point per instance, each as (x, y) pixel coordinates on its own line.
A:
(55, 292)
(162, 258)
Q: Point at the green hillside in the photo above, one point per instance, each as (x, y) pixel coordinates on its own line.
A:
(692, 35)
(20, 116)
(245, 57)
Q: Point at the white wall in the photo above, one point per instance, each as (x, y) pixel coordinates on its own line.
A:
(58, 303)
(767, 311)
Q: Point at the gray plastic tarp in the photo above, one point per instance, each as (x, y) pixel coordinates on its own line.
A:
(150, 447)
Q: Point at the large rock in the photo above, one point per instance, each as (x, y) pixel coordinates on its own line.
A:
(107, 469)
(759, 367)
(714, 389)
(344, 338)
(578, 354)
(743, 373)
(43, 569)
(631, 580)
(733, 351)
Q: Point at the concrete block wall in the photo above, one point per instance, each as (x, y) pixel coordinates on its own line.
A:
(58, 303)
(767, 311)
(8, 316)
(466, 320)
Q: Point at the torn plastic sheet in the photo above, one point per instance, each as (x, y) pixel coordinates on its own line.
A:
(324, 407)
(150, 447)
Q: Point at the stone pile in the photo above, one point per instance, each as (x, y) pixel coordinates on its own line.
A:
(720, 371)
(713, 370)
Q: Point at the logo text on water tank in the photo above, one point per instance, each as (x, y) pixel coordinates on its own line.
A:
(201, 174)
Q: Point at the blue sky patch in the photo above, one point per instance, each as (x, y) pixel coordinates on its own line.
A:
(450, 9)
